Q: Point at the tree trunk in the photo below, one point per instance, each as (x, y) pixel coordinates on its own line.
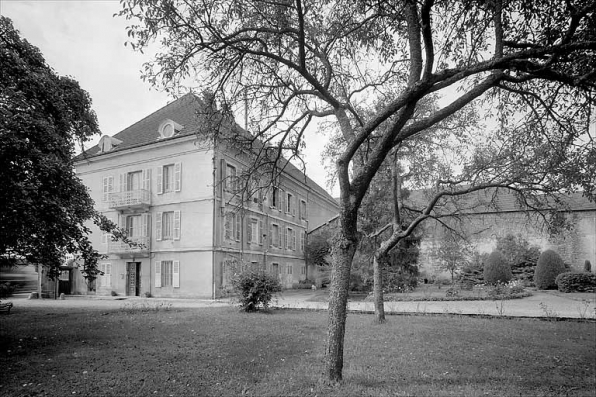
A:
(378, 289)
(343, 250)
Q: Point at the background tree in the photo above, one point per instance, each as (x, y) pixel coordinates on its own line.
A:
(44, 206)
(532, 64)
(453, 253)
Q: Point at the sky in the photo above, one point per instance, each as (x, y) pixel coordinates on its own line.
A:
(82, 39)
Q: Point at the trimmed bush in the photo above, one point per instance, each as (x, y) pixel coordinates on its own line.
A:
(256, 289)
(587, 266)
(496, 269)
(576, 282)
(549, 266)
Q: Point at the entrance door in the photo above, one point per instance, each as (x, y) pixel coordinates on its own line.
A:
(65, 282)
(133, 277)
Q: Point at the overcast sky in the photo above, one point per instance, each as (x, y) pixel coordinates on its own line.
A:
(82, 39)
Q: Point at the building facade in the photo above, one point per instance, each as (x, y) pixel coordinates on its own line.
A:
(177, 197)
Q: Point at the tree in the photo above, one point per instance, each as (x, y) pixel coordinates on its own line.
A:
(530, 64)
(45, 206)
(453, 252)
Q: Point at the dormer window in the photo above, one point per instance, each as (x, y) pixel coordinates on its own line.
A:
(107, 143)
(168, 128)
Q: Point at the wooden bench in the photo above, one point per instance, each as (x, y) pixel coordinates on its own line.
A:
(5, 307)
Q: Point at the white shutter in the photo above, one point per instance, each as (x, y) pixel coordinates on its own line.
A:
(108, 274)
(286, 240)
(158, 226)
(279, 233)
(157, 274)
(238, 226)
(122, 182)
(294, 240)
(147, 179)
(146, 225)
(176, 274)
(228, 226)
(260, 232)
(177, 176)
(160, 180)
(293, 205)
(271, 239)
(177, 224)
(249, 236)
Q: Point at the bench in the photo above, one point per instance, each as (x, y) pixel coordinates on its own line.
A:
(5, 307)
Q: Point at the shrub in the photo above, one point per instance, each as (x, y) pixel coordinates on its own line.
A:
(549, 266)
(256, 288)
(576, 282)
(496, 269)
(473, 272)
(587, 266)
(6, 289)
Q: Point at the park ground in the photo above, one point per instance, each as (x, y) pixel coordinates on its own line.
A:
(114, 346)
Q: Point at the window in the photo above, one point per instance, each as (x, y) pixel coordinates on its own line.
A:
(231, 181)
(107, 188)
(303, 269)
(290, 269)
(168, 128)
(168, 225)
(134, 181)
(133, 226)
(302, 209)
(302, 240)
(275, 235)
(290, 238)
(232, 228)
(169, 178)
(105, 279)
(276, 198)
(167, 274)
(290, 206)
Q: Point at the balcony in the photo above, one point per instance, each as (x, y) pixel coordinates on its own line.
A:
(122, 249)
(132, 199)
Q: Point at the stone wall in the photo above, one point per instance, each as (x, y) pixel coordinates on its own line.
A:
(575, 244)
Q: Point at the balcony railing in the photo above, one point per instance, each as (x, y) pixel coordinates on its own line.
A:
(130, 199)
(141, 246)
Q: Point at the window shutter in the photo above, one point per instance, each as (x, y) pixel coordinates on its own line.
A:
(279, 240)
(158, 219)
(177, 176)
(249, 236)
(147, 179)
(177, 224)
(145, 225)
(271, 239)
(228, 226)
(176, 274)
(159, 180)
(108, 274)
(293, 205)
(294, 240)
(260, 232)
(238, 226)
(122, 182)
(285, 245)
(282, 202)
(158, 274)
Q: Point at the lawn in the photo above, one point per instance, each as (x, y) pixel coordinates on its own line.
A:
(222, 352)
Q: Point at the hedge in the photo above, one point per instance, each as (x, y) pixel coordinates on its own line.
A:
(576, 282)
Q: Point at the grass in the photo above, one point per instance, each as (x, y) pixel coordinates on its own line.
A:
(223, 352)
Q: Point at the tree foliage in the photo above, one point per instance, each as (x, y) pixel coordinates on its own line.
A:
(530, 64)
(549, 266)
(497, 269)
(45, 206)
